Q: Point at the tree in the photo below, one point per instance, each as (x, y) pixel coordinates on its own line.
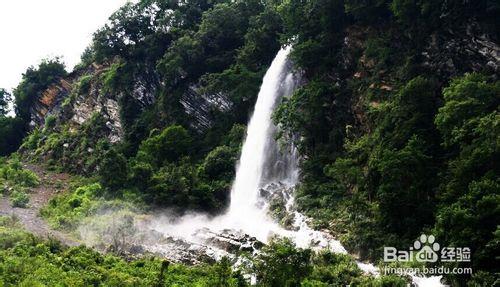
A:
(113, 170)
(368, 11)
(169, 146)
(467, 100)
(405, 192)
(281, 264)
(4, 102)
(34, 82)
(219, 164)
(469, 122)
(11, 134)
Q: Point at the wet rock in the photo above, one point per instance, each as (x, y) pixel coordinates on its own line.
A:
(232, 241)
(278, 197)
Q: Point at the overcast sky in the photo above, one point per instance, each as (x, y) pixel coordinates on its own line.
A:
(31, 30)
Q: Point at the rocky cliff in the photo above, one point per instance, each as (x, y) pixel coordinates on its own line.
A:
(74, 99)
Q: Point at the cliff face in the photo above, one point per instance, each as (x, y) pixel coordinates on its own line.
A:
(74, 99)
(65, 101)
(446, 55)
(199, 107)
(50, 100)
(453, 53)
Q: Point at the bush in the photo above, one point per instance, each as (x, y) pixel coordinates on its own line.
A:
(68, 209)
(74, 150)
(113, 170)
(12, 133)
(50, 122)
(13, 174)
(29, 261)
(282, 264)
(84, 84)
(220, 164)
(170, 145)
(19, 199)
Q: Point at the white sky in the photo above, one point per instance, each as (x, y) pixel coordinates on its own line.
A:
(31, 30)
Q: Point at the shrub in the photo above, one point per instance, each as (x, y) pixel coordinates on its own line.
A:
(50, 122)
(68, 209)
(219, 163)
(282, 264)
(113, 170)
(32, 140)
(19, 199)
(13, 174)
(170, 145)
(84, 84)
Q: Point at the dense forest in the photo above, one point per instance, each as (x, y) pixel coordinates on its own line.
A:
(397, 125)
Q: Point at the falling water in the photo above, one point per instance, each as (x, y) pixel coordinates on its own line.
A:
(259, 155)
(262, 163)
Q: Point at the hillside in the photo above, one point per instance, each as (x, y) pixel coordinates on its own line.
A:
(393, 118)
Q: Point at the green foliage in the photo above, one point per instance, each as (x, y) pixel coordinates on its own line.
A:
(16, 181)
(376, 150)
(331, 269)
(113, 170)
(281, 264)
(84, 84)
(67, 210)
(469, 123)
(168, 146)
(366, 11)
(173, 186)
(469, 101)
(12, 172)
(5, 98)
(11, 134)
(421, 16)
(10, 232)
(19, 199)
(29, 261)
(116, 76)
(222, 47)
(376, 185)
(307, 107)
(378, 49)
(405, 188)
(141, 174)
(213, 47)
(50, 122)
(35, 81)
(319, 35)
(75, 150)
(166, 172)
(219, 164)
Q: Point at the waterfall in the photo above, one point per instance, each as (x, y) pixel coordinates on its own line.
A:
(262, 163)
(260, 160)
(252, 164)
